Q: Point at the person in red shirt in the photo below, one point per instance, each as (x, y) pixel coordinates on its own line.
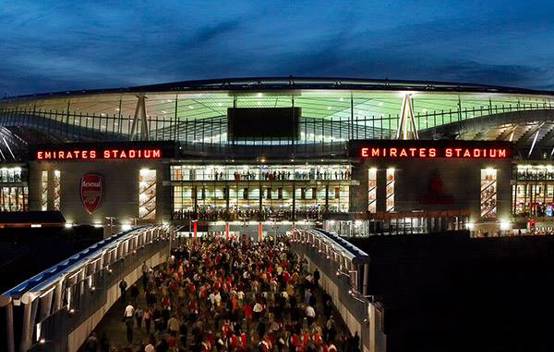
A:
(248, 313)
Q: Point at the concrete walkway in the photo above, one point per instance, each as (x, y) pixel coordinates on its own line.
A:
(113, 325)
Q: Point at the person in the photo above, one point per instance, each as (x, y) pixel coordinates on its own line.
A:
(151, 345)
(356, 342)
(92, 345)
(327, 306)
(183, 332)
(129, 326)
(128, 317)
(104, 343)
(173, 325)
(310, 314)
(147, 317)
(129, 312)
(134, 293)
(139, 314)
(145, 270)
(123, 289)
(330, 329)
(317, 276)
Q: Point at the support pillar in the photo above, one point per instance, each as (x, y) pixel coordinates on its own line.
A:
(406, 125)
(140, 121)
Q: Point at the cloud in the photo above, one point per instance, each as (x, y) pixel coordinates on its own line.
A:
(96, 45)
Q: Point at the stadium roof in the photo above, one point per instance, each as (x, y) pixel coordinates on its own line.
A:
(295, 83)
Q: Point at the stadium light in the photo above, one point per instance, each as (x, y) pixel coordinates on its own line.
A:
(505, 225)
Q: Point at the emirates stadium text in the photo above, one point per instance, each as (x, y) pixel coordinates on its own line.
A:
(93, 154)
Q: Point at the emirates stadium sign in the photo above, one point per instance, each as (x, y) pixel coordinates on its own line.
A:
(104, 151)
(429, 149)
(94, 154)
(91, 190)
(468, 153)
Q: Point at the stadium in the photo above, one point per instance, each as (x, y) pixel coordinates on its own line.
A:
(355, 156)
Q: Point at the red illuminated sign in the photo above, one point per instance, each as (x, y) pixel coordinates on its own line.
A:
(95, 154)
(435, 152)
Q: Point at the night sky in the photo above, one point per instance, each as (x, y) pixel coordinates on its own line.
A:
(56, 46)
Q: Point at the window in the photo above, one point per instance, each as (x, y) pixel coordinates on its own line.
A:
(488, 193)
(147, 194)
(56, 183)
(391, 179)
(44, 190)
(372, 190)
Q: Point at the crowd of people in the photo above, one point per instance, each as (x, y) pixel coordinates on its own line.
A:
(281, 175)
(244, 214)
(232, 295)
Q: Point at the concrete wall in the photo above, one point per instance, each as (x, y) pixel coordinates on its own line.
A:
(120, 196)
(461, 182)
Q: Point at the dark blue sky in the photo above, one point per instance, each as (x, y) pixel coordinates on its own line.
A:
(54, 45)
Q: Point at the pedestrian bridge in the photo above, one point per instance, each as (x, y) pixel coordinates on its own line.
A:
(58, 308)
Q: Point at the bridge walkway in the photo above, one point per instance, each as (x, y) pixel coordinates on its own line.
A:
(272, 325)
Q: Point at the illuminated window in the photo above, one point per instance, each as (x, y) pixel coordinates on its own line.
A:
(488, 193)
(56, 184)
(372, 190)
(391, 179)
(147, 194)
(13, 198)
(44, 190)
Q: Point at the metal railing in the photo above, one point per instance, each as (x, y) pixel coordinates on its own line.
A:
(212, 130)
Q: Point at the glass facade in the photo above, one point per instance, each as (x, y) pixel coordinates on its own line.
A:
(533, 190)
(14, 194)
(240, 192)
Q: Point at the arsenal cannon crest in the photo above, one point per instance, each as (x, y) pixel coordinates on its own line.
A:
(92, 188)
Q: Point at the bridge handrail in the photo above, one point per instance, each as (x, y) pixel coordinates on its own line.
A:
(334, 242)
(355, 252)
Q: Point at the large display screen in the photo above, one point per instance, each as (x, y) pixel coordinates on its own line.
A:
(263, 123)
